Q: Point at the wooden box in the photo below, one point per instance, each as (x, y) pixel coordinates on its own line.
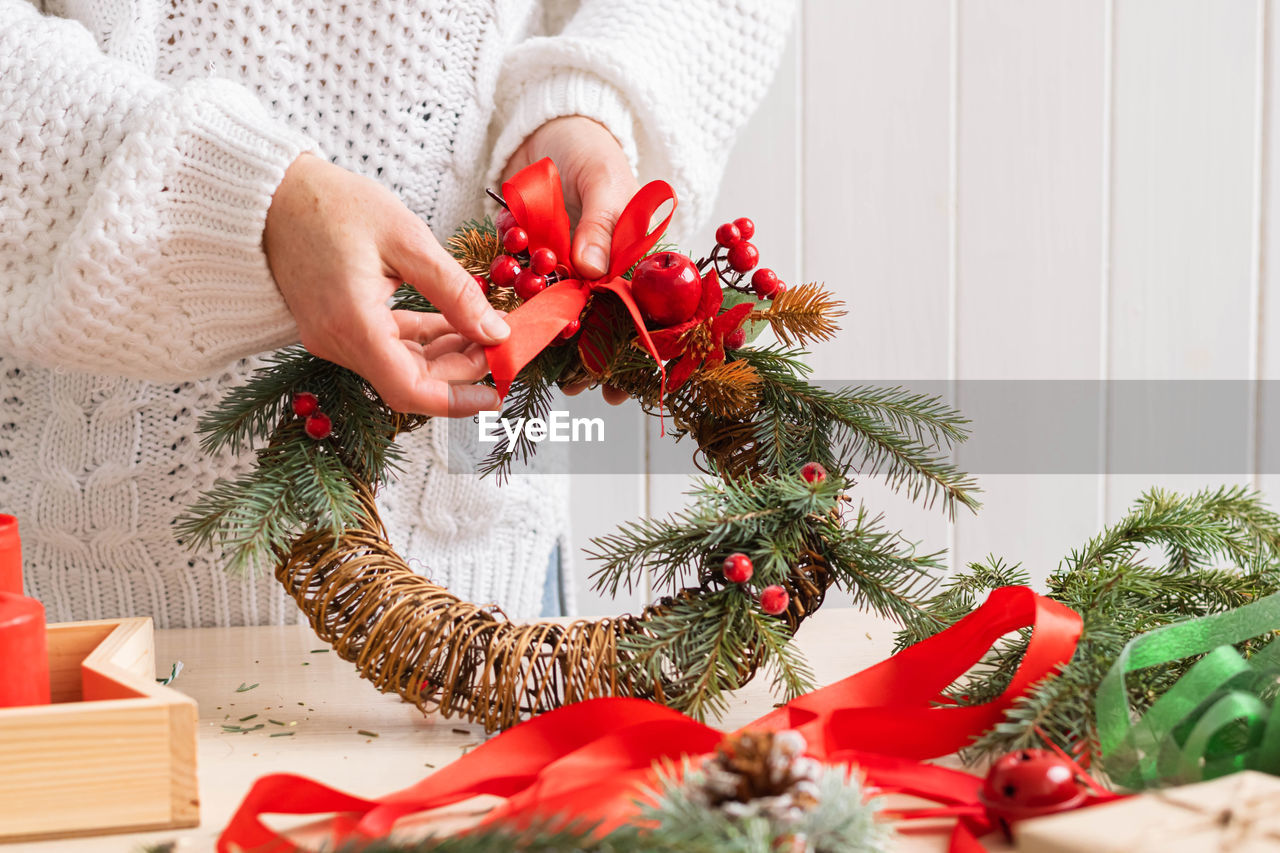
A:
(115, 752)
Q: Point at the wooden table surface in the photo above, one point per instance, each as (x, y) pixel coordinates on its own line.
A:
(324, 704)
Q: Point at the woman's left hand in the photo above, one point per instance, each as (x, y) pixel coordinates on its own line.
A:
(598, 183)
(597, 179)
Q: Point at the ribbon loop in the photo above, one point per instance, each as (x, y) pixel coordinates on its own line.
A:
(536, 200)
(590, 759)
(1213, 721)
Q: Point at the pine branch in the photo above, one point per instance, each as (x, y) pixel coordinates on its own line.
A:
(530, 396)
(1119, 597)
(844, 430)
(748, 516)
(250, 411)
(790, 674)
(879, 568)
(694, 649)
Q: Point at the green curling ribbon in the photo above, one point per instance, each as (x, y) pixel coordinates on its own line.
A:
(1220, 717)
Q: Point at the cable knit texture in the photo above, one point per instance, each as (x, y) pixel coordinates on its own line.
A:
(140, 144)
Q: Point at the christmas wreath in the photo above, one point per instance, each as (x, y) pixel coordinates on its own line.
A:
(769, 531)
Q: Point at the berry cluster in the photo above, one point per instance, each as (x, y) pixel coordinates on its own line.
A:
(735, 255)
(307, 405)
(738, 568)
(527, 272)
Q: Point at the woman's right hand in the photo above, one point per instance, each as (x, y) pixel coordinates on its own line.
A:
(339, 245)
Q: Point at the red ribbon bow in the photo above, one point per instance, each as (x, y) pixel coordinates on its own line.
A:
(588, 760)
(535, 199)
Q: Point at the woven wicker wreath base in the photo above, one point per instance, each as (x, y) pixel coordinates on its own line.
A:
(414, 638)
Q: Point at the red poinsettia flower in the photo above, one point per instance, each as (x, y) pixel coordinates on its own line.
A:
(699, 341)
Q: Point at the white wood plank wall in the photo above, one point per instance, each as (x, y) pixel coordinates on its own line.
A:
(1020, 189)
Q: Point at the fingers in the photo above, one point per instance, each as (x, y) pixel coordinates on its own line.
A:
(421, 326)
(604, 186)
(407, 379)
(419, 259)
(612, 394)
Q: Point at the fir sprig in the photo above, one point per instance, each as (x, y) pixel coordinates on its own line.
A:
(1173, 557)
(858, 430)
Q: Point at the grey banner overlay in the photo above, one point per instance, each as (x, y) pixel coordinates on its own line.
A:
(1220, 427)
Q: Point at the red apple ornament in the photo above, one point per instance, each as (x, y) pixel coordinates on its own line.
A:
(666, 286)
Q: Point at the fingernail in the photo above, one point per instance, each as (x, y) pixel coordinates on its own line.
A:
(594, 256)
(494, 327)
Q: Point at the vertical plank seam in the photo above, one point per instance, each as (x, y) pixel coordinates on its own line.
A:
(953, 237)
(646, 502)
(1105, 285)
(801, 167)
(1260, 209)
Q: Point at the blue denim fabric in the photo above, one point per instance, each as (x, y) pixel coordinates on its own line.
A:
(552, 600)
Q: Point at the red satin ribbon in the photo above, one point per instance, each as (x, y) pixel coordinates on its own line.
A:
(587, 760)
(535, 199)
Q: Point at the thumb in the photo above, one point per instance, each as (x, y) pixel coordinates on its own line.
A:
(604, 192)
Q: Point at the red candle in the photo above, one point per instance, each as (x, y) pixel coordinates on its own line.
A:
(24, 653)
(10, 556)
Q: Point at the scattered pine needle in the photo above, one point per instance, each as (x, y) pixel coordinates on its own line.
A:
(245, 688)
(366, 733)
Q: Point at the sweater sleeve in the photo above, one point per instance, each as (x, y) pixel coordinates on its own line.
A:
(673, 80)
(131, 211)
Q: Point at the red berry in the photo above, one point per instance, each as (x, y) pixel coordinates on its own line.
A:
(504, 223)
(782, 288)
(736, 339)
(319, 426)
(571, 328)
(543, 261)
(516, 240)
(667, 288)
(738, 568)
(305, 403)
(743, 256)
(746, 227)
(774, 600)
(728, 234)
(813, 472)
(529, 284)
(483, 282)
(765, 282)
(503, 270)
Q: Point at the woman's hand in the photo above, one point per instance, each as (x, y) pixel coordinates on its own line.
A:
(339, 245)
(597, 180)
(598, 183)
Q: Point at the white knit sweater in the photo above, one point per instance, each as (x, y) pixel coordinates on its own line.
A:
(140, 144)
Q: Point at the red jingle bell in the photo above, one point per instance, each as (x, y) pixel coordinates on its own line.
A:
(1030, 783)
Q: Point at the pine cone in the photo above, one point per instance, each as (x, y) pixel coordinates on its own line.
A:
(760, 773)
